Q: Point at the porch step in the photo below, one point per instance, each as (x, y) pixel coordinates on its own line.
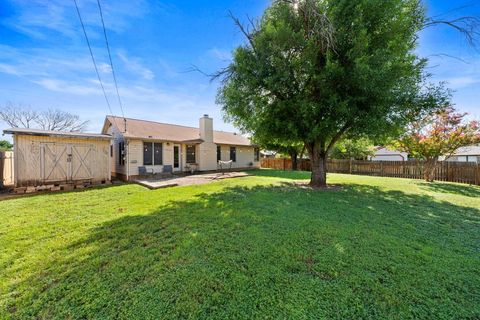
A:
(155, 185)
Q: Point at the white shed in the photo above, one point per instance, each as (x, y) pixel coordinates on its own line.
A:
(51, 157)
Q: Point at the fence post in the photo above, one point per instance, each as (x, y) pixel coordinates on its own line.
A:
(284, 160)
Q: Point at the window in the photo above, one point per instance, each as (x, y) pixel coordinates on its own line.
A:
(152, 154)
(191, 158)
(219, 153)
(233, 154)
(111, 150)
(121, 153)
(256, 154)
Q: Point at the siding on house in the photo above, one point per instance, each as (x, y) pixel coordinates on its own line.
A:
(204, 138)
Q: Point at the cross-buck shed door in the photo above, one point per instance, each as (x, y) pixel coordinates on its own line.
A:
(81, 161)
(54, 162)
(64, 162)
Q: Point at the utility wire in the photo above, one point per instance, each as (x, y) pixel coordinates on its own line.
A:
(94, 63)
(110, 58)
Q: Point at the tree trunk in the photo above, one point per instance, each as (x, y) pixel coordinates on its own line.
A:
(318, 160)
(294, 157)
(429, 171)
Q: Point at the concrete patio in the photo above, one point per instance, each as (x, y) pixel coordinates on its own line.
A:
(188, 180)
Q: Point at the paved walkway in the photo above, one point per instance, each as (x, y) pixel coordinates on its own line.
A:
(188, 180)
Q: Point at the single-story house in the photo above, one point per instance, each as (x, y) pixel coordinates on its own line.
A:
(143, 146)
(466, 154)
(51, 157)
(385, 154)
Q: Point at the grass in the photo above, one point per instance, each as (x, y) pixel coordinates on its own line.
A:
(253, 247)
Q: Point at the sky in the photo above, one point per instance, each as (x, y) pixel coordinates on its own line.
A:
(45, 62)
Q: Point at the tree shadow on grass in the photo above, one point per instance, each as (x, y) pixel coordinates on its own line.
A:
(287, 174)
(463, 190)
(268, 252)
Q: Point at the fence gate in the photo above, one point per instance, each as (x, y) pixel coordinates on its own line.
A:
(65, 162)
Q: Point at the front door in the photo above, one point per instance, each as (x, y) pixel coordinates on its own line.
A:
(176, 158)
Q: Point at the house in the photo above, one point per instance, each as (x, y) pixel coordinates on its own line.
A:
(43, 157)
(466, 154)
(385, 154)
(143, 146)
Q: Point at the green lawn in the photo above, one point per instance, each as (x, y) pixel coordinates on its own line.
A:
(252, 247)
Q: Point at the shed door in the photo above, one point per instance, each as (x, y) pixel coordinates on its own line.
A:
(66, 162)
(54, 162)
(81, 162)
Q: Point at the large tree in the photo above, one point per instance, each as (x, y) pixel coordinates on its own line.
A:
(438, 134)
(312, 71)
(17, 116)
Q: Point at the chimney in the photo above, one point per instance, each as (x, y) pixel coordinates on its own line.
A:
(206, 128)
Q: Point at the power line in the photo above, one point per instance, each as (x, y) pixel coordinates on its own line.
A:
(110, 58)
(93, 60)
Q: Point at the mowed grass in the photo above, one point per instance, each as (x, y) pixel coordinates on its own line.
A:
(254, 247)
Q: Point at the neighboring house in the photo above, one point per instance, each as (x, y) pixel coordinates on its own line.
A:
(267, 154)
(385, 154)
(466, 154)
(145, 146)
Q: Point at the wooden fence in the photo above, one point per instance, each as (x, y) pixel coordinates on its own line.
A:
(6, 168)
(462, 172)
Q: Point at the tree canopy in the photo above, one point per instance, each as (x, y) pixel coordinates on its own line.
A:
(312, 71)
(5, 145)
(359, 148)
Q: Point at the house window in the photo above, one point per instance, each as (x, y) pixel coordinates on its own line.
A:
(233, 154)
(121, 153)
(256, 154)
(152, 154)
(219, 153)
(191, 158)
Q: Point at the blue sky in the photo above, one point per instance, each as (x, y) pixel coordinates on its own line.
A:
(45, 63)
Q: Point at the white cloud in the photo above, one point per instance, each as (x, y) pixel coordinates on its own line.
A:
(35, 17)
(68, 87)
(461, 82)
(220, 54)
(135, 66)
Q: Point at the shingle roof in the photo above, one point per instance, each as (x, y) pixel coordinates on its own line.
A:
(146, 129)
(468, 151)
(38, 132)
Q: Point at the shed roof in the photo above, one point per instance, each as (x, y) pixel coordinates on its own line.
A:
(146, 129)
(49, 133)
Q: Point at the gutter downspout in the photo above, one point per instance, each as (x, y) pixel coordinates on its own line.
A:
(127, 163)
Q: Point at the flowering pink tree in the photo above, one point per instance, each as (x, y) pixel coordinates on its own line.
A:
(438, 134)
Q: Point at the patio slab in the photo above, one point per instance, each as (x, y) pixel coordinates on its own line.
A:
(188, 180)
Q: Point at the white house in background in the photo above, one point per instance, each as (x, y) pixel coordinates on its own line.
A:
(385, 154)
(466, 154)
(142, 146)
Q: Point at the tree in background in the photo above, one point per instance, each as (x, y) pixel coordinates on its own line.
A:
(438, 134)
(313, 71)
(53, 119)
(360, 148)
(293, 150)
(5, 145)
